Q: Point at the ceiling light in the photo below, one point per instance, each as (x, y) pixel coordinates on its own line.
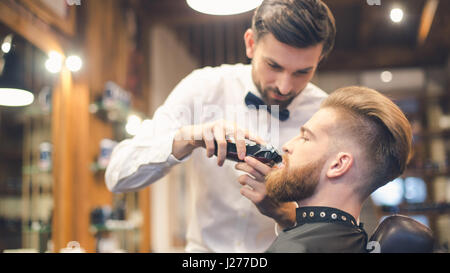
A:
(396, 15)
(386, 76)
(13, 90)
(15, 97)
(54, 62)
(6, 45)
(74, 63)
(223, 7)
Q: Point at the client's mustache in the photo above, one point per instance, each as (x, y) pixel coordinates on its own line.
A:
(285, 160)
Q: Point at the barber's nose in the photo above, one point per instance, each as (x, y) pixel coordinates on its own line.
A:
(284, 83)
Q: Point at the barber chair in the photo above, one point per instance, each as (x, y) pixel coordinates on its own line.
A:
(401, 234)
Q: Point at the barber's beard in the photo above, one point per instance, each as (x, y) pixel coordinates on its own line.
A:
(266, 90)
(288, 185)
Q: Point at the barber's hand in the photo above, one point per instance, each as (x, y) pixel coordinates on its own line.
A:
(282, 213)
(203, 135)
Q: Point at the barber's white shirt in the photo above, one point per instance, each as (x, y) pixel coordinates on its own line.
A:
(222, 220)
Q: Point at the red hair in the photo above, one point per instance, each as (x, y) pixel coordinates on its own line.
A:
(379, 127)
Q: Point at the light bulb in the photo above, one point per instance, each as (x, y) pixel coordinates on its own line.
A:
(7, 44)
(386, 76)
(54, 62)
(6, 47)
(396, 15)
(74, 63)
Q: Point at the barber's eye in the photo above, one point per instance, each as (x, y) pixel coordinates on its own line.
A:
(300, 74)
(274, 66)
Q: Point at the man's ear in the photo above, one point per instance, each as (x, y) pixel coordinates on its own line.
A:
(249, 43)
(340, 165)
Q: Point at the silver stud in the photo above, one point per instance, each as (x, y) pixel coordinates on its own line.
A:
(334, 216)
(322, 214)
(304, 214)
(353, 222)
(344, 218)
(311, 214)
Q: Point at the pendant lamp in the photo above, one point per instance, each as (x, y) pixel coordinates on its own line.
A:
(223, 7)
(12, 88)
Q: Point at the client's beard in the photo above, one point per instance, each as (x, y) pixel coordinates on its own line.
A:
(287, 185)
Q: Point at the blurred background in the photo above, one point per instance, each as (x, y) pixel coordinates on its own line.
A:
(78, 76)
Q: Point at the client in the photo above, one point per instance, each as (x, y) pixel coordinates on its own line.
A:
(357, 142)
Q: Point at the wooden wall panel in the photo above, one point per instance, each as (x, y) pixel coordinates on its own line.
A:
(62, 132)
(32, 29)
(81, 162)
(108, 48)
(76, 134)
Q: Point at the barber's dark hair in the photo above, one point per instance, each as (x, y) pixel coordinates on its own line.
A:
(298, 23)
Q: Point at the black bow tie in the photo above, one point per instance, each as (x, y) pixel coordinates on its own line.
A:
(252, 99)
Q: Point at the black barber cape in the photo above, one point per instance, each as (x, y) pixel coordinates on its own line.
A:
(320, 230)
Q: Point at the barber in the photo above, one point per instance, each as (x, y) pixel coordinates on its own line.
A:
(287, 41)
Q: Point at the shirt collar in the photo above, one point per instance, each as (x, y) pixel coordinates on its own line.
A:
(306, 215)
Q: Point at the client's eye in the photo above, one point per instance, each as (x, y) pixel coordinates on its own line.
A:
(304, 138)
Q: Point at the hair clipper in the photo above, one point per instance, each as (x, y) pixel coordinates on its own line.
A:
(266, 154)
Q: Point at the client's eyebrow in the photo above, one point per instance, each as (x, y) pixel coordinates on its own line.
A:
(304, 129)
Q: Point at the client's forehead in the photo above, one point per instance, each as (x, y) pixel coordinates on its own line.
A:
(323, 121)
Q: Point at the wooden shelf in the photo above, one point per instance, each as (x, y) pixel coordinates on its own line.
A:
(96, 168)
(114, 225)
(423, 208)
(444, 133)
(34, 169)
(427, 173)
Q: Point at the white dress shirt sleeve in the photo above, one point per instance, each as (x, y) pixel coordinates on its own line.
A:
(142, 160)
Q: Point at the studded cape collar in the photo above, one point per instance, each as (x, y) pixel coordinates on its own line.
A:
(325, 215)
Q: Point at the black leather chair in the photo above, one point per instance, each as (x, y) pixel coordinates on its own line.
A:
(401, 234)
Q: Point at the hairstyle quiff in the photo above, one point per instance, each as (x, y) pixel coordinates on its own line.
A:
(379, 127)
(298, 23)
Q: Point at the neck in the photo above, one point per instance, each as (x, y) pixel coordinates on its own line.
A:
(345, 202)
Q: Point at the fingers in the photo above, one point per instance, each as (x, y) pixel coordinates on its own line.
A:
(208, 138)
(253, 137)
(249, 194)
(250, 170)
(257, 186)
(256, 139)
(260, 167)
(217, 132)
(239, 136)
(256, 190)
(219, 135)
